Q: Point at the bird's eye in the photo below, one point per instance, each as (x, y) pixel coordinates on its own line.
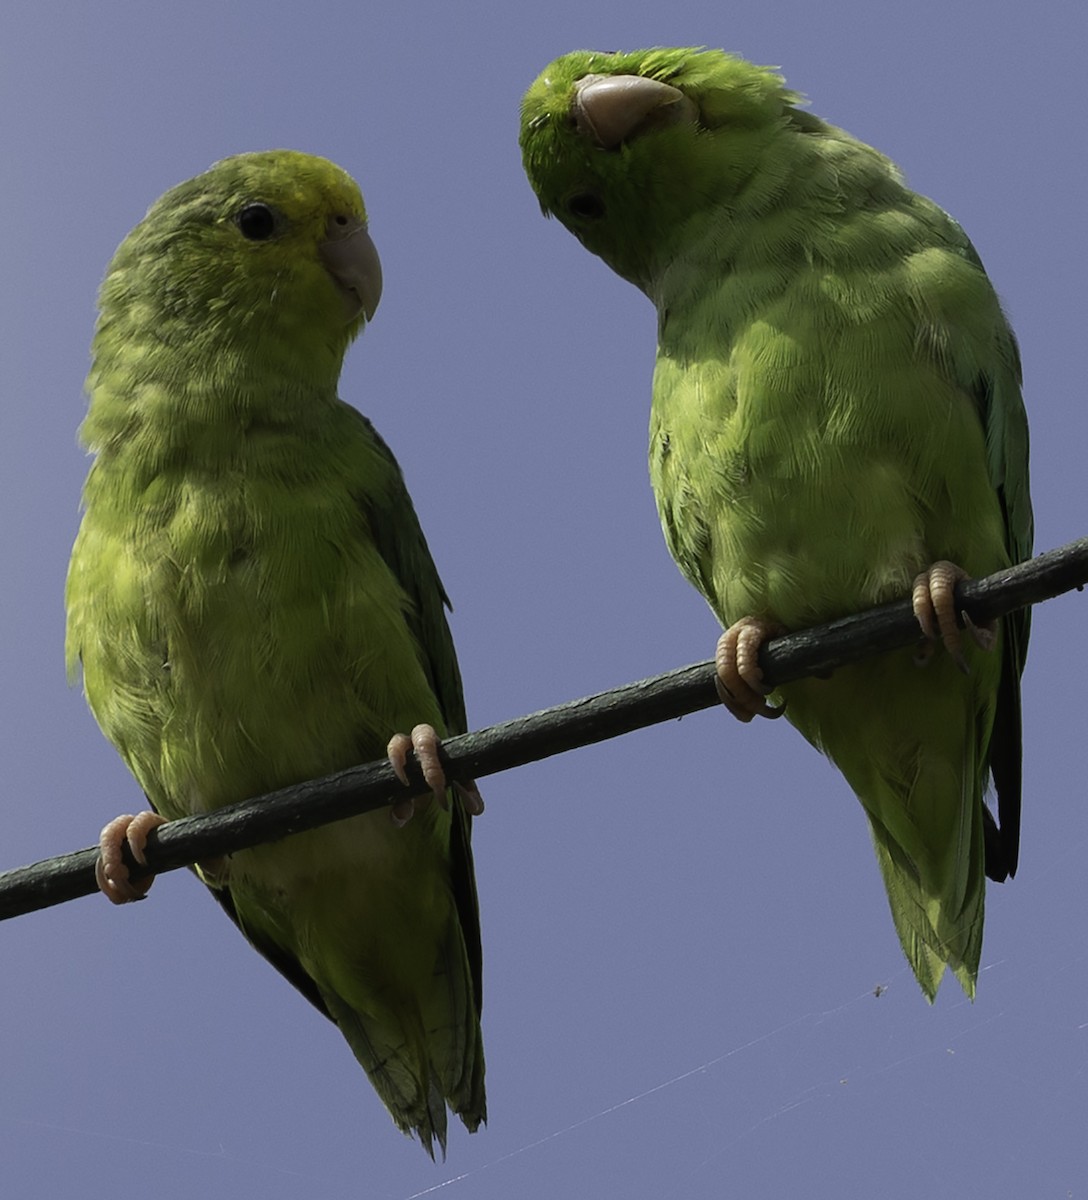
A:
(586, 206)
(257, 222)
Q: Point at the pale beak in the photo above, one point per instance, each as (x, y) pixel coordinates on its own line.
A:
(612, 108)
(353, 262)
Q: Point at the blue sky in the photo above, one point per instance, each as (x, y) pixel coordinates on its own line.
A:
(684, 928)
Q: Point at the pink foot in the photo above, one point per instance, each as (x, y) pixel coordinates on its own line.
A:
(934, 601)
(739, 679)
(110, 870)
(426, 746)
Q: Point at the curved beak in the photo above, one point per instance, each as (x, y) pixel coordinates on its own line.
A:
(613, 108)
(352, 260)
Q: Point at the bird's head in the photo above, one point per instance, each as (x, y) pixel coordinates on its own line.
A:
(624, 148)
(262, 247)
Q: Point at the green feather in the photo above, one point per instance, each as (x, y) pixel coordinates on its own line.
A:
(253, 604)
(836, 405)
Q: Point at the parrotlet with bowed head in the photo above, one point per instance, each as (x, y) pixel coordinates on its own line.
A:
(836, 422)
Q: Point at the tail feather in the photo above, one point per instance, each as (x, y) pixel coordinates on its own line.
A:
(427, 1055)
(919, 773)
(930, 844)
(934, 931)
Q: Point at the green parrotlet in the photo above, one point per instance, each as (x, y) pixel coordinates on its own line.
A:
(254, 604)
(836, 422)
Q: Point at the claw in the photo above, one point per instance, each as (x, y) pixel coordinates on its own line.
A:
(738, 677)
(984, 636)
(470, 797)
(110, 870)
(424, 743)
(934, 600)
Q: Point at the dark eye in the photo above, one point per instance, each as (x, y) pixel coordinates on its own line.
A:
(586, 206)
(257, 222)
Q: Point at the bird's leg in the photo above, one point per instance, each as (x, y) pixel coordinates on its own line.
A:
(934, 601)
(738, 677)
(110, 871)
(426, 746)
